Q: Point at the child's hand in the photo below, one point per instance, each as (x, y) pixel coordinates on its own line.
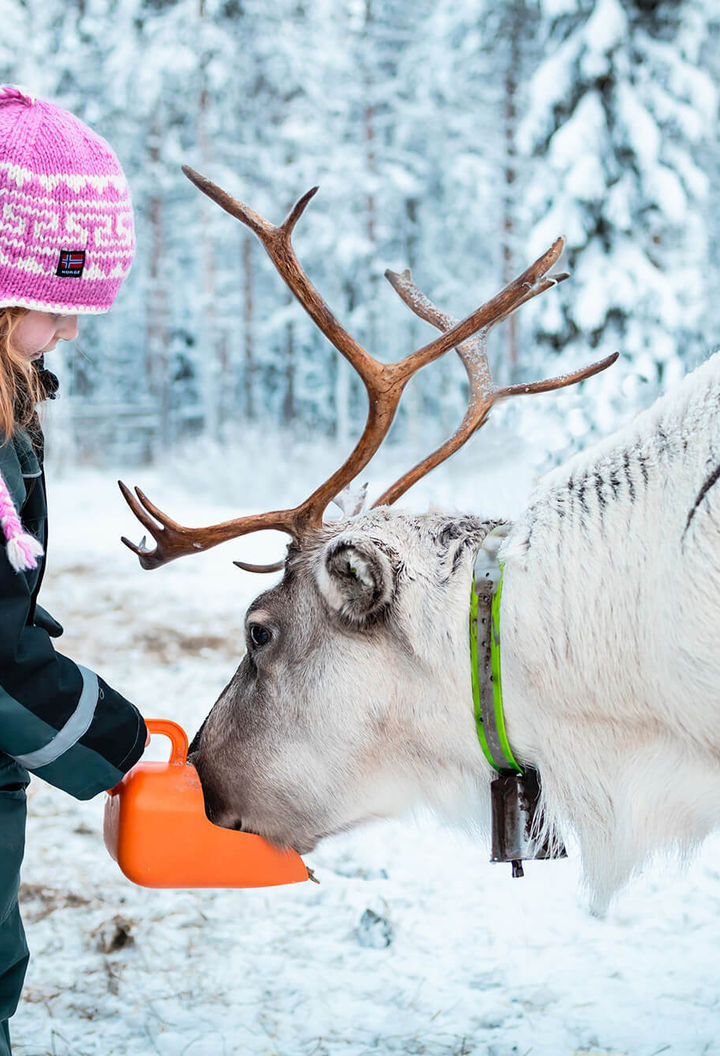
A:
(147, 739)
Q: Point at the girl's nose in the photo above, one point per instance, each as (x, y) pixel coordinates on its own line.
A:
(68, 328)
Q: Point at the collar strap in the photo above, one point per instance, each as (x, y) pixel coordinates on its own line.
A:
(485, 600)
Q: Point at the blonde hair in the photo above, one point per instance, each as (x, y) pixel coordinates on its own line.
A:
(20, 385)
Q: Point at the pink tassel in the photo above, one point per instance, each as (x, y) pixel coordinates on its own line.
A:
(23, 549)
(23, 552)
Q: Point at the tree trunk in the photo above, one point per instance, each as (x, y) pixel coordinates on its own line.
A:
(211, 354)
(509, 368)
(343, 377)
(370, 205)
(289, 397)
(248, 309)
(414, 401)
(158, 341)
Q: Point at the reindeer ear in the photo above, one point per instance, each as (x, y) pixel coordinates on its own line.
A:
(355, 577)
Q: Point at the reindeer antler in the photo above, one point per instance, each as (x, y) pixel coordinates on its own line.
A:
(482, 392)
(384, 383)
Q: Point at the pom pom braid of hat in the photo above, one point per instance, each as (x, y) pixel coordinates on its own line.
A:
(23, 549)
(15, 93)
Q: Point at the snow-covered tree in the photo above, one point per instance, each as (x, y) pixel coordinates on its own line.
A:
(621, 113)
(456, 138)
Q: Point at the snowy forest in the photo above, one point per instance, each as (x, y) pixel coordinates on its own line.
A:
(455, 137)
(458, 138)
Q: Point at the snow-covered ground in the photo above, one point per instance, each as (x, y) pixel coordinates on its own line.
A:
(454, 956)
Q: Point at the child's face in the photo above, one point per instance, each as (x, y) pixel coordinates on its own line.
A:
(39, 332)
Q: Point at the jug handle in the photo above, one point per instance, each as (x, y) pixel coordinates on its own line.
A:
(178, 738)
(177, 735)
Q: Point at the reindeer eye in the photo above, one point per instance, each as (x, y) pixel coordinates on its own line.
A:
(259, 634)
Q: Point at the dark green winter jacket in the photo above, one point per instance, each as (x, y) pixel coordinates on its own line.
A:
(57, 719)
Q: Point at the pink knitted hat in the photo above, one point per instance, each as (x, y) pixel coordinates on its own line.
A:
(66, 222)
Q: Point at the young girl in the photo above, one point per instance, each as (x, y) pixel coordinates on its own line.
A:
(66, 244)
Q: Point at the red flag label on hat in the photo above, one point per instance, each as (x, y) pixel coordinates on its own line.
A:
(72, 262)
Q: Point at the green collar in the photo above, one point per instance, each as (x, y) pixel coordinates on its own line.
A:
(485, 600)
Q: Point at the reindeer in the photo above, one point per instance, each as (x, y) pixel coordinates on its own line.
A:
(354, 699)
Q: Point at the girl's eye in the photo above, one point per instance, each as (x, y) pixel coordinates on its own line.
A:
(259, 635)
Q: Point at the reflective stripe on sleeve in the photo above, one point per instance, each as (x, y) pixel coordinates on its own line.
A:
(78, 724)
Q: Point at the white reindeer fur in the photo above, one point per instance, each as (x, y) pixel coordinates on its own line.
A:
(361, 704)
(611, 636)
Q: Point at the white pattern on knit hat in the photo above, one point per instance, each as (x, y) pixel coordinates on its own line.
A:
(73, 181)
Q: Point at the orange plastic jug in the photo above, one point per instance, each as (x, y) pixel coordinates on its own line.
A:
(157, 831)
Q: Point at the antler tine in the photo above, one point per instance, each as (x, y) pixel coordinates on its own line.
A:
(288, 224)
(175, 540)
(248, 216)
(498, 307)
(278, 246)
(246, 566)
(483, 394)
(472, 352)
(423, 307)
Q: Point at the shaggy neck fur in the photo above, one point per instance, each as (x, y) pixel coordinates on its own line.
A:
(610, 613)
